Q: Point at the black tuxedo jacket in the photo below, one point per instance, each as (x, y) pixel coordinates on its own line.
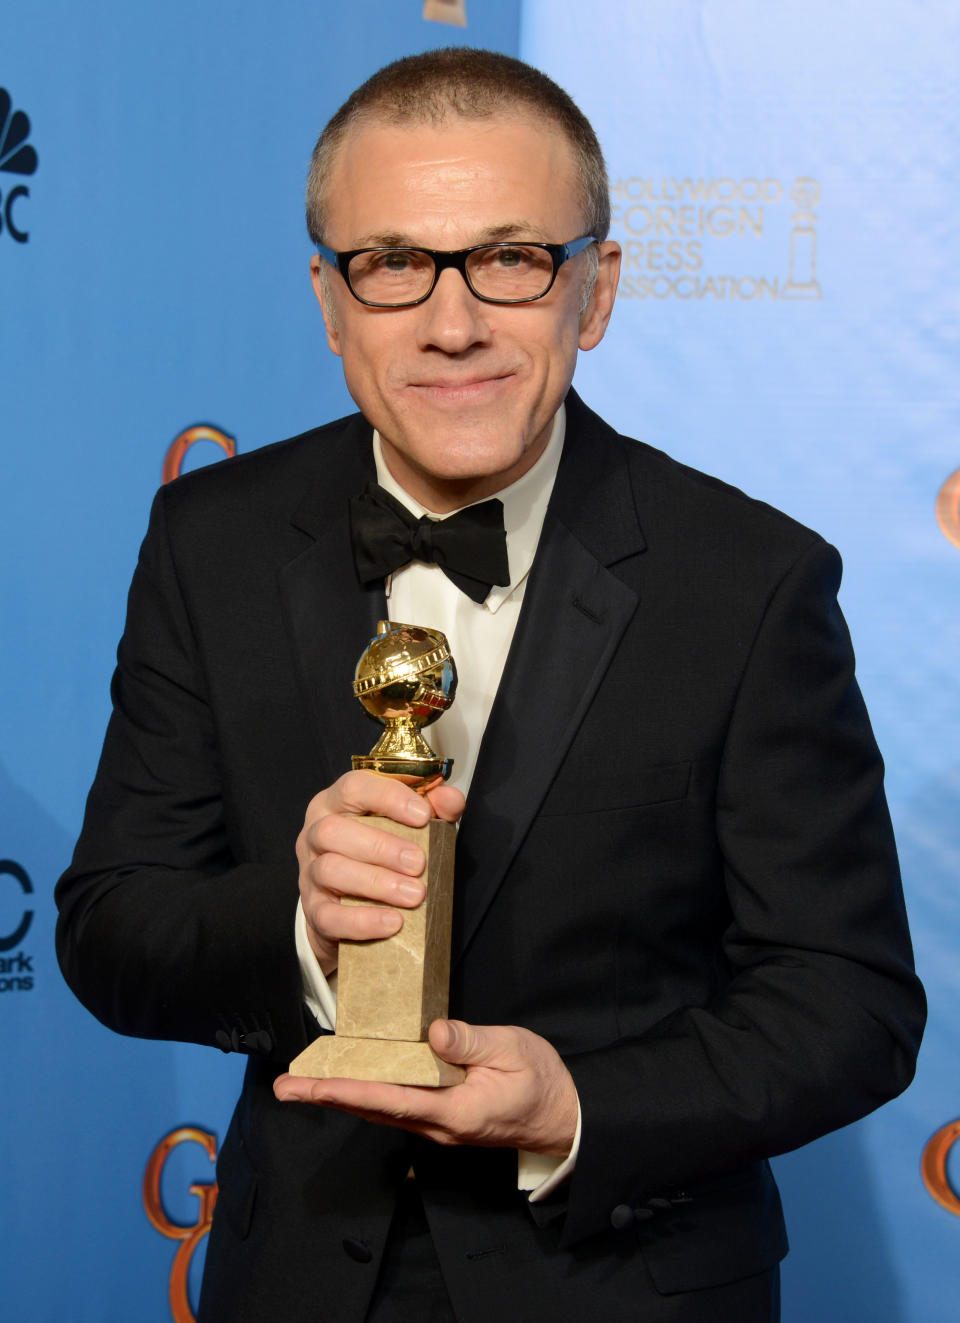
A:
(676, 864)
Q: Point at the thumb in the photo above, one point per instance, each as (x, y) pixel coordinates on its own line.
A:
(447, 802)
(462, 1044)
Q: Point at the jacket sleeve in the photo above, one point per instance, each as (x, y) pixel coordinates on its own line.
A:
(164, 930)
(820, 1013)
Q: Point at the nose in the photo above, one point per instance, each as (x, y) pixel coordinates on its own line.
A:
(452, 319)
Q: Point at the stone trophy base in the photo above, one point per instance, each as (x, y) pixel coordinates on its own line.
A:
(389, 1061)
(389, 991)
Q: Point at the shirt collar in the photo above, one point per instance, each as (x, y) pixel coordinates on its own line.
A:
(524, 507)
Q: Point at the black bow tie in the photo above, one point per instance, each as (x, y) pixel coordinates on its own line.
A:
(470, 546)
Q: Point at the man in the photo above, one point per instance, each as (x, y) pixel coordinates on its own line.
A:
(679, 940)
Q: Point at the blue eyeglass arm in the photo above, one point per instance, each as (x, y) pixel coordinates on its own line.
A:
(329, 254)
(576, 246)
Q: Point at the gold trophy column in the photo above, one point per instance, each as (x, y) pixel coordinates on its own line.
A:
(390, 989)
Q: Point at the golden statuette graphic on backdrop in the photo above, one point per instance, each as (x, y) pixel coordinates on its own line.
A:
(389, 990)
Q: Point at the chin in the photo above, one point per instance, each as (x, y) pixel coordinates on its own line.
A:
(466, 452)
(467, 467)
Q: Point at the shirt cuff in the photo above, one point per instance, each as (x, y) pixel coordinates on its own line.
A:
(319, 992)
(541, 1173)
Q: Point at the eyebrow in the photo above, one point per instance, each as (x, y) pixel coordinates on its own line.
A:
(518, 230)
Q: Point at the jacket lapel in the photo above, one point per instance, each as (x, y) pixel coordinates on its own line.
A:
(329, 615)
(574, 613)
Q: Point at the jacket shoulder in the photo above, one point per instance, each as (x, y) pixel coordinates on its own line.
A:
(679, 505)
(280, 471)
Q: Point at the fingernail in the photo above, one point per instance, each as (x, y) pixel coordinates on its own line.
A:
(410, 892)
(419, 813)
(412, 860)
(390, 921)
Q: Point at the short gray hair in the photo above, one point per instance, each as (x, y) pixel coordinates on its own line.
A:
(474, 84)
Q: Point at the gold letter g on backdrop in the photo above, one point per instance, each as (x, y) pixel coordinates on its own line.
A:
(189, 1236)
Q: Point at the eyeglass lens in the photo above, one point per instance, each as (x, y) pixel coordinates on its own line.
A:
(403, 275)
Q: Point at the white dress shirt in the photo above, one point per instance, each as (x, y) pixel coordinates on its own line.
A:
(480, 634)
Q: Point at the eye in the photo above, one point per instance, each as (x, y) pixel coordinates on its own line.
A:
(512, 258)
(397, 262)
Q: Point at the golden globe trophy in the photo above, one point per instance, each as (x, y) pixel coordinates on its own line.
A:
(390, 989)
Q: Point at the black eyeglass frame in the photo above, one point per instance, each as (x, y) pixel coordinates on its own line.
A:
(457, 258)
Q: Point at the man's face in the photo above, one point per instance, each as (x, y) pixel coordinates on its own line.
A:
(462, 392)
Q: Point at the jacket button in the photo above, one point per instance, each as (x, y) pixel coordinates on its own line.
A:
(358, 1250)
(622, 1217)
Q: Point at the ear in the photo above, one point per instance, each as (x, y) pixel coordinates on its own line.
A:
(321, 289)
(596, 315)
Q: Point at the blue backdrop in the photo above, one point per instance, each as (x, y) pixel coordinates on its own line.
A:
(785, 184)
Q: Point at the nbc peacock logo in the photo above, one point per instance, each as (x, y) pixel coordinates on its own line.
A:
(17, 157)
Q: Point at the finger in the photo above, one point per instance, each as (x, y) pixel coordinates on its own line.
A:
(465, 1044)
(288, 1090)
(334, 890)
(357, 842)
(334, 878)
(365, 792)
(333, 922)
(390, 1104)
(447, 802)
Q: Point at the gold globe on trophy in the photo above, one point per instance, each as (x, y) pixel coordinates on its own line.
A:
(406, 678)
(389, 990)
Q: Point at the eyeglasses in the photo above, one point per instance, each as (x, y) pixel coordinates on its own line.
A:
(494, 272)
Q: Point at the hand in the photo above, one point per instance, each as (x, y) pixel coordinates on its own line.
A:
(340, 856)
(517, 1093)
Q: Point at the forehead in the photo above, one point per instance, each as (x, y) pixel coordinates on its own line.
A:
(453, 183)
